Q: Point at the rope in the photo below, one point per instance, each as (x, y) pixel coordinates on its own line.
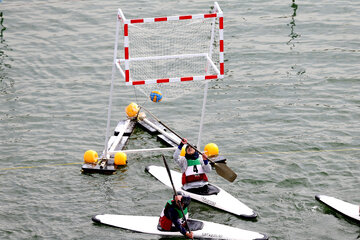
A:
(293, 152)
(227, 154)
(49, 165)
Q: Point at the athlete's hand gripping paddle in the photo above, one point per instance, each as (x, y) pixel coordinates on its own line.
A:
(172, 184)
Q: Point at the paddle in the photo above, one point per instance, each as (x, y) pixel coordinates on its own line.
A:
(172, 184)
(221, 168)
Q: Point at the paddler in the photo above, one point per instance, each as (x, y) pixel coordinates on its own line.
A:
(193, 167)
(172, 218)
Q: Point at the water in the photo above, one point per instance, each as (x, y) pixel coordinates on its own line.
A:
(286, 116)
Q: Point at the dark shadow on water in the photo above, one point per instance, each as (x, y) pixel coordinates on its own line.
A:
(5, 82)
(3, 28)
(297, 70)
(293, 35)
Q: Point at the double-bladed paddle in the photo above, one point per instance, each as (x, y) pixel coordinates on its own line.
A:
(221, 168)
(172, 184)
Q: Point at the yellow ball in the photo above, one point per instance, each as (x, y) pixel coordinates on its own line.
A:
(90, 156)
(211, 150)
(132, 110)
(182, 153)
(120, 158)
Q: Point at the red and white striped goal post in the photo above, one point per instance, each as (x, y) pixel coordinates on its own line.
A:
(217, 13)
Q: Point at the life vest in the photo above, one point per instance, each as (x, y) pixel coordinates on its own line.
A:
(194, 172)
(164, 221)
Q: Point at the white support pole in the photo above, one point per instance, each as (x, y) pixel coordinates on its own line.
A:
(111, 88)
(143, 150)
(119, 136)
(179, 56)
(217, 7)
(213, 65)
(202, 114)
(175, 139)
(206, 83)
(122, 71)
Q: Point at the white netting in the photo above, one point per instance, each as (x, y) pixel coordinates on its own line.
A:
(171, 49)
(170, 37)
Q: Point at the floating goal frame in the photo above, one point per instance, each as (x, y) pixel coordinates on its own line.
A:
(125, 71)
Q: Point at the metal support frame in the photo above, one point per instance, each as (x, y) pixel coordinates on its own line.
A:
(217, 12)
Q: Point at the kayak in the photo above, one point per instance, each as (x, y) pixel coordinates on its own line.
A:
(215, 196)
(200, 229)
(348, 209)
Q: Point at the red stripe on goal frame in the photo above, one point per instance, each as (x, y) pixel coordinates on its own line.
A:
(207, 77)
(164, 80)
(210, 15)
(160, 19)
(185, 79)
(137, 20)
(221, 23)
(185, 17)
(126, 30)
(127, 76)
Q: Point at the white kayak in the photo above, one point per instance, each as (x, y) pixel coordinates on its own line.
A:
(348, 209)
(221, 200)
(148, 224)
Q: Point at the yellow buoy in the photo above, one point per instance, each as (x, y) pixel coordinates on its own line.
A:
(211, 150)
(182, 153)
(120, 158)
(90, 156)
(132, 110)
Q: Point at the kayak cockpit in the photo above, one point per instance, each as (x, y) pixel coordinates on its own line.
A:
(194, 225)
(207, 189)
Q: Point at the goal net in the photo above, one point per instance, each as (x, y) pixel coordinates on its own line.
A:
(170, 49)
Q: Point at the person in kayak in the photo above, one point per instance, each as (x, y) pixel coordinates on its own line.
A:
(172, 218)
(193, 167)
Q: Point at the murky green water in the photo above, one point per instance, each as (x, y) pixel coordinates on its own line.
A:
(286, 116)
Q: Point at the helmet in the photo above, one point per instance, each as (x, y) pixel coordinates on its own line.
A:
(182, 153)
(186, 199)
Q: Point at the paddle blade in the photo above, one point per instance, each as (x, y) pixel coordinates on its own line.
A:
(224, 171)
